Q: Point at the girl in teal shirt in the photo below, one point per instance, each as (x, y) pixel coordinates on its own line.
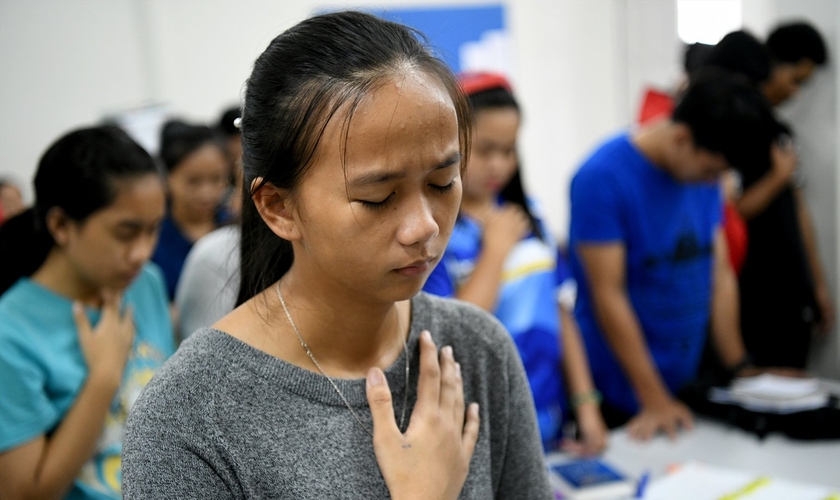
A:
(84, 319)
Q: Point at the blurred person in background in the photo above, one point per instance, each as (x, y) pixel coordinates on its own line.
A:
(502, 258)
(649, 255)
(197, 176)
(84, 317)
(784, 292)
(210, 278)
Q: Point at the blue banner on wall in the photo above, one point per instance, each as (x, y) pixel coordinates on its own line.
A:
(471, 38)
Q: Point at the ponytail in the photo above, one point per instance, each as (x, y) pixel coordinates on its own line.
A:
(24, 246)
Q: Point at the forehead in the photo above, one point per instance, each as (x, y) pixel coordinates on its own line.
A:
(135, 197)
(406, 118)
(411, 101)
(206, 158)
(506, 119)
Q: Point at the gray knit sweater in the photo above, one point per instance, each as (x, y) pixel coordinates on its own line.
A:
(224, 420)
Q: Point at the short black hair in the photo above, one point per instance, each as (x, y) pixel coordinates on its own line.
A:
(695, 56)
(742, 53)
(793, 42)
(727, 114)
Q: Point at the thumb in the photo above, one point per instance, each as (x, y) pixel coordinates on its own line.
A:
(379, 399)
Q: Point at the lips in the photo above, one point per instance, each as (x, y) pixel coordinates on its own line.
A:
(416, 268)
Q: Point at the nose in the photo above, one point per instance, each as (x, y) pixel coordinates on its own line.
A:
(418, 226)
(210, 192)
(142, 250)
(499, 162)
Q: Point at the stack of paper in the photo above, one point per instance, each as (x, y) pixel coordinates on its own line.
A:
(697, 481)
(772, 394)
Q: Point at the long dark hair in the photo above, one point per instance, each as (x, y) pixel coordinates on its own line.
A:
(501, 97)
(297, 85)
(77, 174)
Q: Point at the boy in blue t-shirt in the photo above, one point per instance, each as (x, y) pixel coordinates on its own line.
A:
(649, 257)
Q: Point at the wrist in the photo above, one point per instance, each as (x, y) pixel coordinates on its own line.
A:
(104, 380)
(655, 399)
(582, 400)
(744, 363)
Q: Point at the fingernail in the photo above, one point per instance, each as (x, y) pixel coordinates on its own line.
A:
(458, 369)
(426, 335)
(77, 307)
(447, 351)
(375, 378)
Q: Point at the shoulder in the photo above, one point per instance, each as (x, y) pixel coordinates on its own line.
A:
(217, 251)
(218, 241)
(13, 312)
(12, 298)
(185, 383)
(148, 290)
(602, 167)
(150, 276)
(26, 305)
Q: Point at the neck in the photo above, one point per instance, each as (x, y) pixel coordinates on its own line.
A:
(346, 335)
(58, 275)
(187, 219)
(652, 141)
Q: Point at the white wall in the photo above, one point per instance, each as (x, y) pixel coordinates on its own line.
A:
(580, 68)
(61, 64)
(67, 63)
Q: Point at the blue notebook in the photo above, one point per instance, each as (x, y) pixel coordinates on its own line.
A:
(589, 479)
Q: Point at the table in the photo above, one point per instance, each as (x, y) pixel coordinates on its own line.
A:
(715, 443)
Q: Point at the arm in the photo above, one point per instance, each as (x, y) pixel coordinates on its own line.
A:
(759, 195)
(809, 240)
(169, 456)
(46, 466)
(523, 474)
(578, 376)
(604, 266)
(726, 330)
(503, 228)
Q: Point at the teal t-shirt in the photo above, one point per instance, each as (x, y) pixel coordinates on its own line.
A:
(42, 369)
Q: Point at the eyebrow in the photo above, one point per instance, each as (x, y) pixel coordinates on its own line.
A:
(379, 177)
(130, 225)
(133, 224)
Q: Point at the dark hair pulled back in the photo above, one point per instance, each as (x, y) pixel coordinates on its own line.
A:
(179, 139)
(296, 87)
(76, 174)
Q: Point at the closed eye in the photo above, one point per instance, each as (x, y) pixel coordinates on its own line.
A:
(376, 205)
(443, 189)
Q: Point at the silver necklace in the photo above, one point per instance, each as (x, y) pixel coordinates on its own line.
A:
(332, 382)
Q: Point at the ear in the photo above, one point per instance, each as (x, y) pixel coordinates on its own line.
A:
(59, 225)
(682, 135)
(276, 207)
